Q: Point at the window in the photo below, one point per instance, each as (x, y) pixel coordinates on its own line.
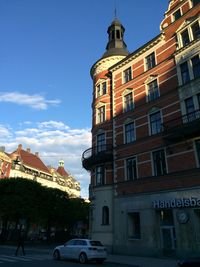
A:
(195, 30)
(177, 14)
(127, 75)
(190, 110)
(159, 163)
(129, 132)
(150, 61)
(155, 123)
(128, 102)
(197, 143)
(196, 66)
(101, 142)
(101, 89)
(185, 37)
(153, 92)
(197, 224)
(131, 171)
(100, 175)
(184, 73)
(101, 114)
(105, 215)
(98, 90)
(134, 230)
(104, 88)
(195, 2)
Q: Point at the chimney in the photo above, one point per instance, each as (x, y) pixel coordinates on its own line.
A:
(2, 148)
(19, 147)
(28, 149)
(37, 154)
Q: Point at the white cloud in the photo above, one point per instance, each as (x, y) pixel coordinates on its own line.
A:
(55, 141)
(35, 101)
(4, 131)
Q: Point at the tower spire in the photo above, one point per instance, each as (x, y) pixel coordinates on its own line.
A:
(115, 10)
(116, 44)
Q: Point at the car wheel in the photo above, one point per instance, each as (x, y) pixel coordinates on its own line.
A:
(82, 258)
(56, 255)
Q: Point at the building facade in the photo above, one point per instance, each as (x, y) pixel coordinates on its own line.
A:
(145, 155)
(27, 165)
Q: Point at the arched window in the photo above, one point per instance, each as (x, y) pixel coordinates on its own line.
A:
(105, 215)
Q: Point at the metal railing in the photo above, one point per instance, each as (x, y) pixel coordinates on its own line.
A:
(97, 150)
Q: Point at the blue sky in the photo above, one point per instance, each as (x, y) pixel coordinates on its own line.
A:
(47, 48)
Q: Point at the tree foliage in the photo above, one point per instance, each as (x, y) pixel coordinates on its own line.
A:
(28, 200)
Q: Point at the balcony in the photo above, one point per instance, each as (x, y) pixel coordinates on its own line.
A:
(183, 127)
(97, 155)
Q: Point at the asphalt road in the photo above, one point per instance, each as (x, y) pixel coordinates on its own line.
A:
(37, 258)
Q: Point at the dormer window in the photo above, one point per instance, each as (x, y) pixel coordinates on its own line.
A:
(177, 15)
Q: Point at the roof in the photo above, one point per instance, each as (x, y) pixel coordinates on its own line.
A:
(31, 160)
(61, 170)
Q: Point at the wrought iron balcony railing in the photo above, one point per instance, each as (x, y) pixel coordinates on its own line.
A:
(182, 127)
(97, 155)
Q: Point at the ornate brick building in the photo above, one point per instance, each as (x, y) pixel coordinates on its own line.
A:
(145, 155)
(28, 165)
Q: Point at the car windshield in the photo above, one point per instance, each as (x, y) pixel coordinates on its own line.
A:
(95, 243)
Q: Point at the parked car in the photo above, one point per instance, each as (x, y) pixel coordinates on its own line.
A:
(83, 250)
(193, 262)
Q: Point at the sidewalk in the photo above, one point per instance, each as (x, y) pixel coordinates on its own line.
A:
(120, 259)
(142, 261)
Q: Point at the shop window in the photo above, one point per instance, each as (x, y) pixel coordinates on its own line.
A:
(197, 144)
(131, 169)
(150, 61)
(101, 142)
(153, 92)
(159, 163)
(129, 129)
(134, 228)
(101, 114)
(128, 102)
(197, 223)
(196, 30)
(196, 66)
(105, 215)
(166, 217)
(100, 175)
(185, 76)
(185, 37)
(177, 14)
(155, 123)
(127, 75)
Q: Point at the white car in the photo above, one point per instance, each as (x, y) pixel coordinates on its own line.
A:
(82, 250)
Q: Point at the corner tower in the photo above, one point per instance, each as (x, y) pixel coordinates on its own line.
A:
(99, 158)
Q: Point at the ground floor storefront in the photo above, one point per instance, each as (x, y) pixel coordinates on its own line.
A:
(164, 223)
